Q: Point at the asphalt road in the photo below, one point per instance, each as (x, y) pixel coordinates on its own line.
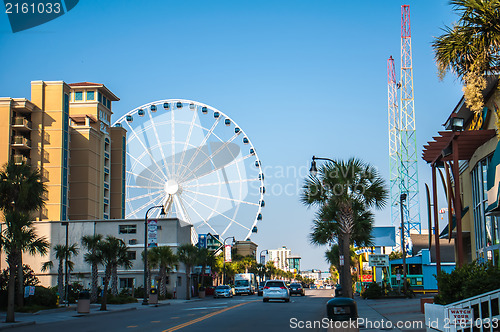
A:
(241, 313)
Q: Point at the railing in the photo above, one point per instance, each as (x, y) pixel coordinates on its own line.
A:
(20, 121)
(19, 159)
(20, 140)
(485, 313)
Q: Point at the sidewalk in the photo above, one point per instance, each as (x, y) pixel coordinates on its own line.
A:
(391, 315)
(68, 313)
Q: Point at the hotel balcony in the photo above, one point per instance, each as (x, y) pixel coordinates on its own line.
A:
(21, 124)
(21, 142)
(19, 159)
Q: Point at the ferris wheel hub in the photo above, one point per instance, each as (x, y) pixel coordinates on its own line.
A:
(171, 187)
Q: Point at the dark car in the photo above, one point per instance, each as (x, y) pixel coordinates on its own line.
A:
(296, 288)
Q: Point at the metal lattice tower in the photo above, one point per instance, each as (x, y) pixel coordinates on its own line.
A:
(402, 136)
(394, 141)
(409, 166)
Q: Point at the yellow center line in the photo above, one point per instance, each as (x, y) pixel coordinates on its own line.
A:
(191, 322)
(131, 326)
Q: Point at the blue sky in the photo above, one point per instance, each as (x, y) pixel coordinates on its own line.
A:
(301, 77)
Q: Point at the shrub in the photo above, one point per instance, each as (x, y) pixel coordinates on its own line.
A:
(374, 291)
(469, 280)
(45, 297)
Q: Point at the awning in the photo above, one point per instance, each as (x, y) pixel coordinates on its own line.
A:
(444, 233)
(468, 142)
(493, 183)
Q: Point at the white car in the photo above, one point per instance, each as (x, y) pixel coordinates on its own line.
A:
(275, 290)
(223, 291)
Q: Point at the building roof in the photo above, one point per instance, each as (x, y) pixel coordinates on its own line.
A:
(468, 142)
(446, 248)
(110, 94)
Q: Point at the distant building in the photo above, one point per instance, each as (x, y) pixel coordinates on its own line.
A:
(280, 257)
(245, 248)
(294, 263)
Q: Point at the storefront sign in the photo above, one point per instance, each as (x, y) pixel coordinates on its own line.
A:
(378, 260)
(367, 278)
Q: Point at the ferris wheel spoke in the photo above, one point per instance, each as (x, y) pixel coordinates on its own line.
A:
(142, 176)
(198, 214)
(157, 198)
(159, 143)
(172, 126)
(221, 197)
(215, 170)
(191, 126)
(218, 213)
(198, 149)
(143, 196)
(219, 183)
(146, 150)
(211, 157)
(142, 187)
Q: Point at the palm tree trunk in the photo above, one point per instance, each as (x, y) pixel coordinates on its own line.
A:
(188, 286)
(60, 281)
(104, 298)
(95, 280)
(20, 280)
(114, 280)
(11, 288)
(346, 268)
(163, 280)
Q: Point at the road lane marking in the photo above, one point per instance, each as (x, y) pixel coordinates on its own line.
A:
(191, 322)
(131, 326)
(155, 321)
(204, 308)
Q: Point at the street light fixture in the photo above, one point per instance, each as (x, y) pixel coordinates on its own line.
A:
(224, 264)
(146, 287)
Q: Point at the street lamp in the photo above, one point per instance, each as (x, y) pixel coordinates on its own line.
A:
(402, 198)
(224, 264)
(162, 213)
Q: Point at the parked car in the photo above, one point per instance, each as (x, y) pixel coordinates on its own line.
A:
(328, 286)
(260, 290)
(296, 288)
(223, 291)
(313, 286)
(275, 290)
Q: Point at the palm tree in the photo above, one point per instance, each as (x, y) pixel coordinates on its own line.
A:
(19, 236)
(122, 260)
(270, 270)
(342, 190)
(91, 243)
(111, 252)
(165, 259)
(63, 253)
(188, 254)
(21, 189)
(205, 258)
(471, 48)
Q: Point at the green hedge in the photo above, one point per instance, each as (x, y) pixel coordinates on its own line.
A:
(468, 281)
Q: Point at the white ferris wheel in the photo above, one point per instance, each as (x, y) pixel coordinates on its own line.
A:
(197, 162)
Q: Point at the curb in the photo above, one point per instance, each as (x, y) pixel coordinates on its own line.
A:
(92, 313)
(14, 325)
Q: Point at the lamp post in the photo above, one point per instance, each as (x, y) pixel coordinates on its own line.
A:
(162, 213)
(224, 264)
(402, 198)
(260, 255)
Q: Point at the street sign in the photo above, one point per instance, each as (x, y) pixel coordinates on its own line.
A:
(227, 253)
(152, 233)
(366, 266)
(378, 260)
(459, 316)
(398, 277)
(202, 241)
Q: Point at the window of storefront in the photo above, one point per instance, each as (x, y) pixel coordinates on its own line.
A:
(485, 227)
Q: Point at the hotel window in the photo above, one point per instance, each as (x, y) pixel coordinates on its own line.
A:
(131, 255)
(126, 282)
(78, 95)
(99, 96)
(485, 227)
(90, 95)
(127, 229)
